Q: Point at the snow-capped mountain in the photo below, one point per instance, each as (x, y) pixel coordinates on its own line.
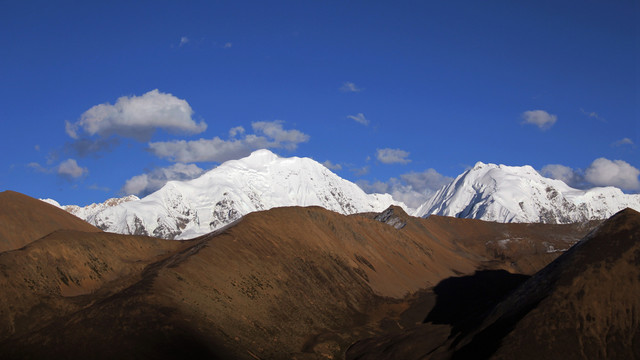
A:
(185, 209)
(85, 212)
(520, 194)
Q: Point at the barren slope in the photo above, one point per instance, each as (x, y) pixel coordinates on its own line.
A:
(284, 283)
(584, 305)
(25, 219)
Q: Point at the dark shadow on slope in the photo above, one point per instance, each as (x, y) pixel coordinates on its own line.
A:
(462, 301)
(486, 342)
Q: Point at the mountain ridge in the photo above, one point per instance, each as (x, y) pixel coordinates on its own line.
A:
(504, 193)
(261, 181)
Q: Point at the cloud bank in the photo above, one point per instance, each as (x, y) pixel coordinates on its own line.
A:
(153, 180)
(601, 172)
(412, 188)
(266, 135)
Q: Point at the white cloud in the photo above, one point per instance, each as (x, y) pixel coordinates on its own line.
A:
(71, 170)
(427, 181)
(331, 166)
(359, 118)
(605, 172)
(267, 135)
(289, 139)
(539, 118)
(37, 167)
(236, 131)
(412, 188)
(137, 117)
(227, 45)
(566, 174)
(183, 40)
(349, 87)
(153, 180)
(624, 141)
(374, 187)
(392, 156)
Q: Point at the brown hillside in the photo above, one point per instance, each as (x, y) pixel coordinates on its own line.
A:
(25, 219)
(285, 283)
(584, 305)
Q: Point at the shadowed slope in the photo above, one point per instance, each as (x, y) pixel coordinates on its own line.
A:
(25, 219)
(585, 305)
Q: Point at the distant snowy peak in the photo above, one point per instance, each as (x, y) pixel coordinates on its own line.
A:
(520, 194)
(261, 181)
(84, 212)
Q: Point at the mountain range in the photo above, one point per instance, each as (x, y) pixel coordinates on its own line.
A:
(520, 194)
(285, 283)
(263, 180)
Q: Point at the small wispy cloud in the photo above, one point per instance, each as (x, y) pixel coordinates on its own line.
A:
(539, 118)
(593, 115)
(349, 87)
(331, 166)
(392, 156)
(71, 170)
(359, 117)
(360, 171)
(68, 169)
(98, 188)
(623, 141)
(183, 40)
(227, 45)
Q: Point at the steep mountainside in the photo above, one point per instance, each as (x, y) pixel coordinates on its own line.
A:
(520, 194)
(285, 283)
(24, 219)
(261, 181)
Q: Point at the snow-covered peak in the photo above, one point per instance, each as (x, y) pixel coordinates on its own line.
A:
(260, 181)
(520, 194)
(52, 202)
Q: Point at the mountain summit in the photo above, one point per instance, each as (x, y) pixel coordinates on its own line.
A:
(520, 194)
(261, 181)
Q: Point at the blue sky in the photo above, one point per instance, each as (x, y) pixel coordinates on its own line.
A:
(105, 98)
